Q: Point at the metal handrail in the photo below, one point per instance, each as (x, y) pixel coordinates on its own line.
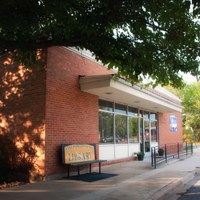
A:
(174, 150)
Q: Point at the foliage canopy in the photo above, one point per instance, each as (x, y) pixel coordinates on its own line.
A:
(156, 39)
(190, 96)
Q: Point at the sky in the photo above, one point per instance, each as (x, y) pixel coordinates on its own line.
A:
(189, 78)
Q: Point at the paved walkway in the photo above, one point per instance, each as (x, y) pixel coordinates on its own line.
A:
(135, 180)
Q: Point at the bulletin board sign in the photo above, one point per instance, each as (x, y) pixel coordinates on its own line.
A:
(77, 153)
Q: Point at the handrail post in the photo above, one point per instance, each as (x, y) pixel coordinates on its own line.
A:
(152, 150)
(191, 148)
(155, 157)
(178, 149)
(186, 149)
(165, 153)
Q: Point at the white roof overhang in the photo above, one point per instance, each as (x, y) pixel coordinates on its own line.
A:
(123, 92)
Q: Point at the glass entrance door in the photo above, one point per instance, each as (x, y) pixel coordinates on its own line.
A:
(148, 132)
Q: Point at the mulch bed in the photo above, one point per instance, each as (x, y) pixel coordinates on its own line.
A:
(12, 184)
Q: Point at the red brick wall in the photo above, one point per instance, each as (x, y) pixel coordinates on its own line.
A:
(22, 108)
(46, 107)
(165, 135)
(71, 115)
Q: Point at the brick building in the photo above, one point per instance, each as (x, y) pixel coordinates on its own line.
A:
(75, 100)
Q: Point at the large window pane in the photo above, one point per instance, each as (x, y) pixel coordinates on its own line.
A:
(153, 116)
(106, 105)
(146, 115)
(141, 113)
(141, 134)
(121, 129)
(133, 129)
(132, 111)
(120, 108)
(154, 135)
(106, 127)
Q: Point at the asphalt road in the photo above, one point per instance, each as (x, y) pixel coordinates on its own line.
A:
(187, 191)
(193, 193)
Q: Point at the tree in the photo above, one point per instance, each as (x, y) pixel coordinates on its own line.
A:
(173, 90)
(190, 96)
(155, 39)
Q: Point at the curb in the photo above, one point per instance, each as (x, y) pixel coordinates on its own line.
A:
(170, 186)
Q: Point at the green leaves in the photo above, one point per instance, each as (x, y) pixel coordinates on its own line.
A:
(141, 38)
(190, 96)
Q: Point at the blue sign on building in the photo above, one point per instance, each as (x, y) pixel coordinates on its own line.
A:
(173, 123)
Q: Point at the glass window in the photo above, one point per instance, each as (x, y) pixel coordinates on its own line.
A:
(153, 116)
(146, 115)
(132, 111)
(106, 105)
(141, 135)
(120, 108)
(106, 127)
(146, 136)
(118, 123)
(140, 113)
(154, 135)
(146, 130)
(121, 129)
(133, 129)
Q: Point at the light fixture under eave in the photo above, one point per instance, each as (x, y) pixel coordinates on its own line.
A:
(108, 93)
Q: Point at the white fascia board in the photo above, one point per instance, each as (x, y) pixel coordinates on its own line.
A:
(145, 95)
(100, 81)
(101, 84)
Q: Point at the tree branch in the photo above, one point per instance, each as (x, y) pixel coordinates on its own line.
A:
(152, 25)
(32, 45)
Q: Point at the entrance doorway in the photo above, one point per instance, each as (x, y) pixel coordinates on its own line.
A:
(148, 132)
(147, 136)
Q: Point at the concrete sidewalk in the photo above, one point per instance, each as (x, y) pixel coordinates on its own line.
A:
(136, 180)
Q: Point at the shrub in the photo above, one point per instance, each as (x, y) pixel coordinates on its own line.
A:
(15, 163)
(161, 152)
(140, 155)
